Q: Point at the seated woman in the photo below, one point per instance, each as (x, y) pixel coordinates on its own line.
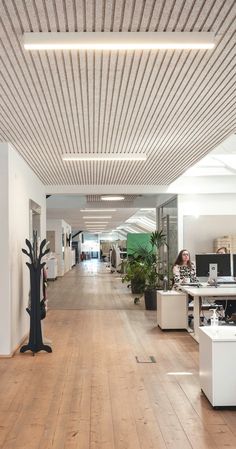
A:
(184, 270)
(184, 273)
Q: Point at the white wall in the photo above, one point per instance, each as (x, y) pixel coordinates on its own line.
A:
(205, 229)
(18, 185)
(201, 218)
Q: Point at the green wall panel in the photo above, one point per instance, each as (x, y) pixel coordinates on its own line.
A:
(135, 241)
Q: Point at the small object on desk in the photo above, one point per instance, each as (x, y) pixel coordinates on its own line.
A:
(165, 284)
(214, 318)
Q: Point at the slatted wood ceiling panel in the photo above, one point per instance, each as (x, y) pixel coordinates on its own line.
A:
(176, 106)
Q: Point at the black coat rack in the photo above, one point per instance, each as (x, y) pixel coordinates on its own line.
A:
(35, 343)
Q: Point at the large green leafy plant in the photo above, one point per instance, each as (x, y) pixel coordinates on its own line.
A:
(134, 274)
(144, 266)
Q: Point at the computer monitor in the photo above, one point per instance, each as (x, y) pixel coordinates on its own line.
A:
(234, 265)
(203, 262)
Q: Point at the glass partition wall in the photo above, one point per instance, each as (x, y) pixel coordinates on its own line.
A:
(168, 221)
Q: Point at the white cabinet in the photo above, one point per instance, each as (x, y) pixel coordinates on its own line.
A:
(51, 265)
(217, 352)
(172, 311)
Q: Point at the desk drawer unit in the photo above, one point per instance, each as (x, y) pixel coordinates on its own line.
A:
(172, 312)
(217, 364)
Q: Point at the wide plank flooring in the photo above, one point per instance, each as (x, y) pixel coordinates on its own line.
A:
(91, 393)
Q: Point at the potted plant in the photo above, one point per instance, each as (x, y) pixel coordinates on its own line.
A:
(151, 281)
(134, 275)
(145, 267)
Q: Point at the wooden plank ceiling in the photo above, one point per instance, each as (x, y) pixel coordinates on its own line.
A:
(175, 106)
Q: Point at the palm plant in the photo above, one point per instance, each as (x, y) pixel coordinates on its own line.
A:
(144, 265)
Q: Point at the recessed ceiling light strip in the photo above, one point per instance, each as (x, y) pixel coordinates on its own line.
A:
(97, 210)
(112, 198)
(103, 157)
(118, 41)
(95, 217)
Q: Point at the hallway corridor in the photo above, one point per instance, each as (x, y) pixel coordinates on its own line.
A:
(91, 393)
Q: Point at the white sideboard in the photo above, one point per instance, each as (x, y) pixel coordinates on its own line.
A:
(172, 310)
(217, 364)
(51, 265)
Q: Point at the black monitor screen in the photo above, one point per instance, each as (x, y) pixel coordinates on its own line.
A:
(203, 261)
(234, 265)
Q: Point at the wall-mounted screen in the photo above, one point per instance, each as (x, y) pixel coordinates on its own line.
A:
(204, 260)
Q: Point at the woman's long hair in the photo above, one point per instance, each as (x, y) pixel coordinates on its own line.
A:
(222, 250)
(179, 260)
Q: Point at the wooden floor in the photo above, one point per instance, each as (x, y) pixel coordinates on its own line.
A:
(91, 393)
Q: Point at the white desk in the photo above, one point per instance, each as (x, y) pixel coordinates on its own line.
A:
(197, 293)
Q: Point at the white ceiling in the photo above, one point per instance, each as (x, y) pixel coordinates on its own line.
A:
(176, 106)
(82, 211)
(137, 213)
(220, 162)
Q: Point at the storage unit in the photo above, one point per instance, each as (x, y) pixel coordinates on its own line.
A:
(172, 310)
(51, 266)
(217, 350)
(228, 241)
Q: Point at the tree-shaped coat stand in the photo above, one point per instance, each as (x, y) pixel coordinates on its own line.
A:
(35, 343)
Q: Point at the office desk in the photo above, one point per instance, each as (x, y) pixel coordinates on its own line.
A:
(201, 292)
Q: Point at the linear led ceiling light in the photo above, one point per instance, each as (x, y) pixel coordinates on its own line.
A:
(94, 218)
(97, 210)
(96, 227)
(118, 41)
(103, 157)
(100, 227)
(112, 198)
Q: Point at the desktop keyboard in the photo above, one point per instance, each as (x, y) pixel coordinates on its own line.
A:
(231, 285)
(192, 284)
(226, 283)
